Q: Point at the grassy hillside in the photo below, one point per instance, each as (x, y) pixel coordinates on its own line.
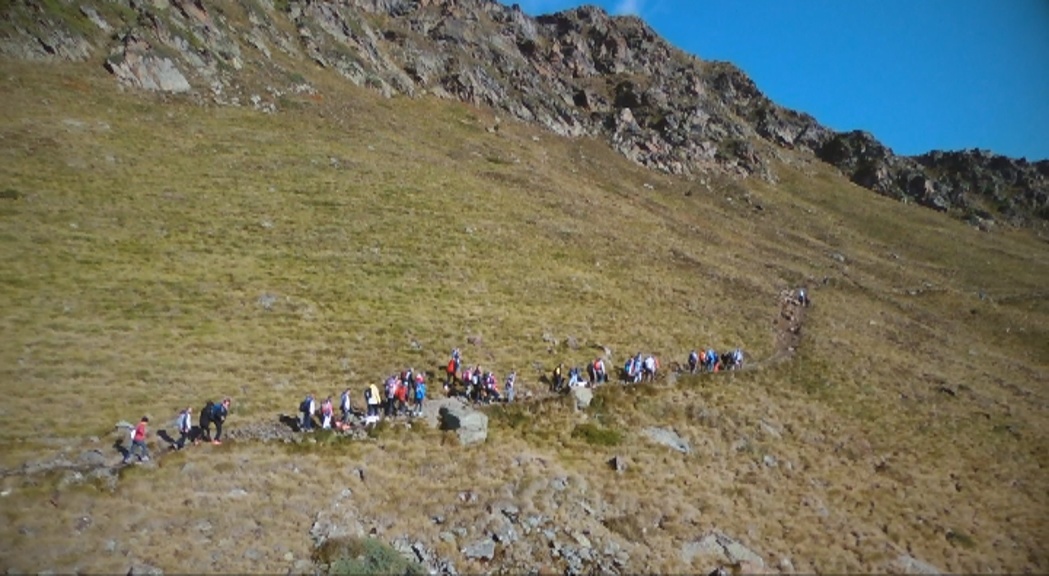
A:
(155, 253)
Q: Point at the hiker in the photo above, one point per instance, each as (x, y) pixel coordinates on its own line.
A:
(628, 369)
(345, 407)
(558, 379)
(476, 390)
(371, 398)
(185, 427)
(420, 394)
(491, 388)
(803, 297)
(574, 379)
(600, 373)
(327, 411)
(511, 385)
(218, 417)
(390, 389)
(205, 422)
(693, 361)
(712, 360)
(735, 359)
(138, 440)
(401, 394)
(649, 368)
(308, 408)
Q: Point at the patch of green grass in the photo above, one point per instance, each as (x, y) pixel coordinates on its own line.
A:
(596, 435)
(363, 556)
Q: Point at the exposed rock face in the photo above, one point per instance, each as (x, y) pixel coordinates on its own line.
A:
(579, 72)
(470, 425)
(668, 438)
(136, 64)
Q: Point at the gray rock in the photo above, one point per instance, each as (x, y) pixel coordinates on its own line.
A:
(136, 64)
(480, 550)
(267, 301)
(667, 438)
(469, 425)
(910, 565)
(582, 396)
(718, 545)
(92, 458)
(143, 569)
(618, 463)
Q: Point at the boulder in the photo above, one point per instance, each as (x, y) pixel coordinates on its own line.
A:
(910, 565)
(668, 438)
(469, 425)
(582, 395)
(480, 550)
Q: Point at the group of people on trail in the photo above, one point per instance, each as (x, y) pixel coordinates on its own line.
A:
(476, 384)
(211, 413)
(402, 394)
(640, 368)
(710, 361)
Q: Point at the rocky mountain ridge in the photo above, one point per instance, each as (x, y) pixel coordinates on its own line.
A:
(578, 73)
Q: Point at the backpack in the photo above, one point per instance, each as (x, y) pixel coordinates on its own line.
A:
(305, 406)
(420, 391)
(205, 412)
(368, 393)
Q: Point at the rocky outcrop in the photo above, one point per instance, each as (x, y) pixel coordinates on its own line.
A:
(136, 64)
(579, 72)
(468, 424)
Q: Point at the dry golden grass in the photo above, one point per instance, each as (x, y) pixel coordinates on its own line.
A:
(142, 233)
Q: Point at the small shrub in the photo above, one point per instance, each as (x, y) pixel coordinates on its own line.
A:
(513, 416)
(352, 556)
(10, 194)
(596, 435)
(959, 539)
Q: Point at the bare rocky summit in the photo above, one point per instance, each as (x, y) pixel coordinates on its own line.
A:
(579, 72)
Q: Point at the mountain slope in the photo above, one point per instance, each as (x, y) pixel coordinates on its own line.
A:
(578, 72)
(158, 250)
(156, 253)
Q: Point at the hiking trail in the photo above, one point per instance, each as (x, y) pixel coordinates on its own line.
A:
(96, 459)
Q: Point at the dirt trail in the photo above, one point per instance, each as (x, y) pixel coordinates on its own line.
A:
(788, 327)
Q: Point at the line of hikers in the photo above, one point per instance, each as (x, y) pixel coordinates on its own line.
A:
(211, 413)
(402, 394)
(476, 384)
(710, 361)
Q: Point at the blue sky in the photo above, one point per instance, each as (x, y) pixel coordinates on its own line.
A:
(918, 74)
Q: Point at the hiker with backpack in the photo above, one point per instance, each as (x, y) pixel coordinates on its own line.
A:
(600, 373)
(511, 385)
(327, 411)
(390, 390)
(184, 424)
(218, 417)
(371, 399)
(419, 395)
(345, 407)
(712, 360)
(138, 441)
(307, 408)
(803, 297)
(205, 422)
(401, 395)
(649, 368)
(693, 361)
(558, 379)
